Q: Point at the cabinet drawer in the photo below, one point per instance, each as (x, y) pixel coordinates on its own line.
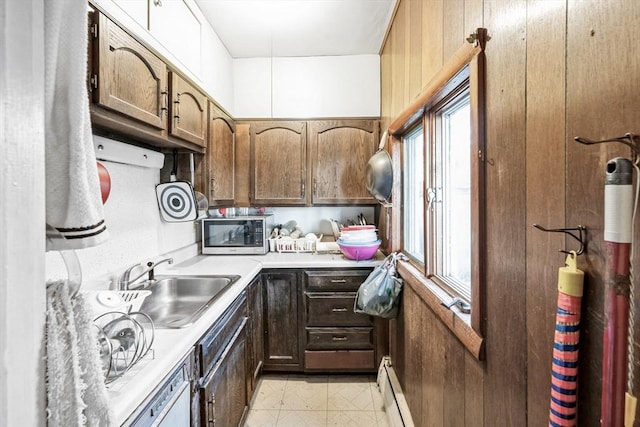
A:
(347, 280)
(339, 338)
(333, 309)
(352, 360)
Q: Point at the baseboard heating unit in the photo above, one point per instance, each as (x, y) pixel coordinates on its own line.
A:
(395, 405)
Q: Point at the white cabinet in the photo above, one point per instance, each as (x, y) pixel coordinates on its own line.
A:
(176, 27)
(136, 9)
(175, 24)
(302, 87)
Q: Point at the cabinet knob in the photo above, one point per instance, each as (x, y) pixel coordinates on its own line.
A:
(339, 309)
(339, 338)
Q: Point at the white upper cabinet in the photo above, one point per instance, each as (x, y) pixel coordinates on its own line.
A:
(303, 87)
(136, 9)
(178, 30)
(176, 27)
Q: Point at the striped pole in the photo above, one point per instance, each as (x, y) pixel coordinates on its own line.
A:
(564, 369)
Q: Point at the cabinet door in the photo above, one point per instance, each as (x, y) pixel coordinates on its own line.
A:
(340, 150)
(188, 111)
(136, 9)
(178, 29)
(256, 334)
(279, 163)
(221, 157)
(282, 349)
(131, 80)
(225, 393)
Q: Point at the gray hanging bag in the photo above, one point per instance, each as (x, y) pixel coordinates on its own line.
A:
(379, 294)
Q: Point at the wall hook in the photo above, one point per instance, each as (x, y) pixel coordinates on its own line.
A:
(629, 139)
(580, 237)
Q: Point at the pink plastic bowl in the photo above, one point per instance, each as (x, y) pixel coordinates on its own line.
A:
(359, 252)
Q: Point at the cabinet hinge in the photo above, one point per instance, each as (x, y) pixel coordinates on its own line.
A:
(94, 82)
(93, 29)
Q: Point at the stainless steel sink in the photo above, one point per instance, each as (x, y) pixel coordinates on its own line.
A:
(178, 301)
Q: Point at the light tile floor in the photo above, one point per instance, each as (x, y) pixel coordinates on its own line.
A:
(310, 401)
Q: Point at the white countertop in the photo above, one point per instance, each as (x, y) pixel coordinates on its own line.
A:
(170, 346)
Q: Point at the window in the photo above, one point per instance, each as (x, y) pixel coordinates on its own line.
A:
(437, 190)
(449, 193)
(441, 170)
(413, 194)
(440, 141)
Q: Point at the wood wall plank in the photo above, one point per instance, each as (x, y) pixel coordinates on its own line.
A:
(473, 16)
(473, 391)
(453, 27)
(416, 346)
(433, 373)
(453, 381)
(602, 101)
(505, 390)
(432, 38)
(546, 29)
(414, 65)
(398, 51)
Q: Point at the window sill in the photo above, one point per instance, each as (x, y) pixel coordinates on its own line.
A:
(458, 323)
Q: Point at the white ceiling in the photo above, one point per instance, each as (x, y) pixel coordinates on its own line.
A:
(264, 28)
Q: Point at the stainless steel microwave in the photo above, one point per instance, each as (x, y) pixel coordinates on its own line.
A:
(240, 235)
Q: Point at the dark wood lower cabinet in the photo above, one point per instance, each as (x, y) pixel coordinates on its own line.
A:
(281, 321)
(224, 392)
(336, 339)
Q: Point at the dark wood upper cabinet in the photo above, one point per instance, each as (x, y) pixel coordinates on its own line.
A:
(136, 98)
(130, 79)
(220, 158)
(279, 163)
(188, 111)
(340, 150)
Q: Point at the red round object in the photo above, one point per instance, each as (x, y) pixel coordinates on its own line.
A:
(105, 182)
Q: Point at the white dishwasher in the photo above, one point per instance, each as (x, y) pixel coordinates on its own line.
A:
(170, 405)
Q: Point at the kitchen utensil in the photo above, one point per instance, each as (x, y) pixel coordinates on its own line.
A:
(105, 182)
(177, 201)
(379, 172)
(203, 204)
(335, 228)
(359, 252)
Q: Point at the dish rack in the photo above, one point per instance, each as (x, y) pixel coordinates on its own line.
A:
(125, 335)
(295, 245)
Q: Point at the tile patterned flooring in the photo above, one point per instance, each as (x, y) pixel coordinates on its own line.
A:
(310, 401)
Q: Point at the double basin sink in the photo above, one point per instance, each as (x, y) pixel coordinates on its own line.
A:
(178, 301)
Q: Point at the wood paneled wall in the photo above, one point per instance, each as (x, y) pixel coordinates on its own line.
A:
(555, 69)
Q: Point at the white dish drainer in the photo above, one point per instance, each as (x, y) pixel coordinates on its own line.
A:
(295, 245)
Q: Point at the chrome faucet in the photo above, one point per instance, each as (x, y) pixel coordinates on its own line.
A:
(125, 281)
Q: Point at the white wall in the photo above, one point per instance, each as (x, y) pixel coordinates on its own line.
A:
(22, 208)
(307, 87)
